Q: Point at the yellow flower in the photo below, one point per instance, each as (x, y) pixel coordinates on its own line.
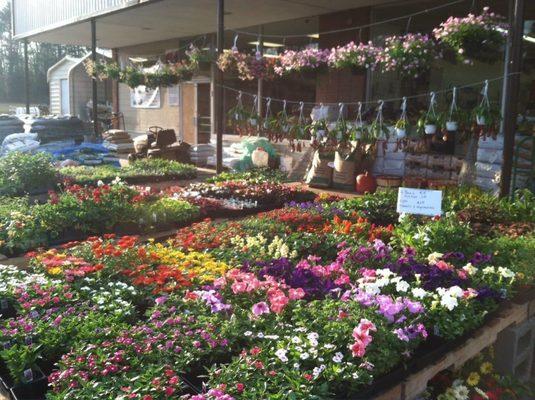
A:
(473, 379)
(486, 368)
(54, 271)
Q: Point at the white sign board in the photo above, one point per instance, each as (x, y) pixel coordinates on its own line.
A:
(173, 95)
(419, 201)
(142, 97)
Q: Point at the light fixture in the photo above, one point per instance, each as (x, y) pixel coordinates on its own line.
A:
(267, 44)
(314, 35)
(138, 59)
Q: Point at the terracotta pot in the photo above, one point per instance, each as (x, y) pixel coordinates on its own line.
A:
(366, 183)
(389, 181)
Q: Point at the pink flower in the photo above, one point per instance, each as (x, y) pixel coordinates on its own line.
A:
(296, 294)
(260, 308)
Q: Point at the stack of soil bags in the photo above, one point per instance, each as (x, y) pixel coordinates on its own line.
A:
(52, 129)
(10, 124)
(118, 141)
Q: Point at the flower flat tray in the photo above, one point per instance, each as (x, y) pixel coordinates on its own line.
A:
(410, 385)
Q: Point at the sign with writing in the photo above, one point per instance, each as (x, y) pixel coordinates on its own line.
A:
(419, 201)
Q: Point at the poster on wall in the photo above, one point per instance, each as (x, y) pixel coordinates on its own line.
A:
(173, 95)
(143, 97)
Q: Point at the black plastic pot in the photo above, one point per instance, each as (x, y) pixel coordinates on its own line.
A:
(6, 309)
(5, 379)
(32, 390)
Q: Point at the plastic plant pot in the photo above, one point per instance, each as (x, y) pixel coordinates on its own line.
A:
(480, 120)
(430, 129)
(452, 126)
(35, 388)
(401, 133)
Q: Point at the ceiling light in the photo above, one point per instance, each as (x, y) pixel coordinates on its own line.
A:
(314, 35)
(138, 59)
(529, 38)
(267, 44)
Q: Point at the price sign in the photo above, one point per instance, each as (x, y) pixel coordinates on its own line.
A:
(419, 201)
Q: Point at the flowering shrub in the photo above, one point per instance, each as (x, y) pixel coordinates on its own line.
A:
(351, 55)
(409, 55)
(474, 37)
(301, 61)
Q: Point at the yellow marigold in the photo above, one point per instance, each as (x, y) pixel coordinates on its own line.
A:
(473, 379)
(486, 368)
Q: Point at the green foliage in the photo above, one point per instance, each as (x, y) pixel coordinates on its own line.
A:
(19, 358)
(22, 173)
(147, 167)
(446, 234)
(257, 175)
(379, 208)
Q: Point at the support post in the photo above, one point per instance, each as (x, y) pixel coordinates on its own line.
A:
(260, 92)
(219, 107)
(96, 128)
(511, 89)
(26, 77)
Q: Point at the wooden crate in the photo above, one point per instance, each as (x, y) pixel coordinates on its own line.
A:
(413, 386)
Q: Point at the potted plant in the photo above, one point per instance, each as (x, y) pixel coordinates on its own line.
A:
(401, 127)
(318, 130)
(485, 115)
(28, 381)
(474, 37)
(428, 123)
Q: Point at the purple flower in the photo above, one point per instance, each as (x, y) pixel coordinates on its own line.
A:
(260, 308)
(161, 300)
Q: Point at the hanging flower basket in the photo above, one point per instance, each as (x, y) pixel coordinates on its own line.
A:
(452, 126)
(410, 55)
(474, 37)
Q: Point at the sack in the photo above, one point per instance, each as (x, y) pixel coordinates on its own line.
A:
(260, 158)
(320, 173)
(344, 172)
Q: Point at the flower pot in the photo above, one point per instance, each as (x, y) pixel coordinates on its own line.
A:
(358, 135)
(6, 309)
(481, 120)
(253, 122)
(401, 133)
(320, 134)
(365, 183)
(452, 126)
(430, 129)
(31, 389)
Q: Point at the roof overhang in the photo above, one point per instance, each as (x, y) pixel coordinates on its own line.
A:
(158, 20)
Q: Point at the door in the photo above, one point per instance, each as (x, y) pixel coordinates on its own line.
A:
(203, 114)
(65, 97)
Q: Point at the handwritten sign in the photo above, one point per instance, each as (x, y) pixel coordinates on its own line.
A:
(419, 201)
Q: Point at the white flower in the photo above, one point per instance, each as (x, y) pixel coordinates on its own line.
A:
(338, 357)
(304, 356)
(449, 302)
(247, 333)
(281, 354)
(434, 257)
(402, 286)
(470, 269)
(296, 340)
(506, 272)
(489, 270)
(419, 293)
(100, 183)
(313, 336)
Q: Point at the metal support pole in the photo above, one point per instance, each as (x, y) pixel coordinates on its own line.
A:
(514, 42)
(260, 80)
(96, 128)
(219, 107)
(26, 77)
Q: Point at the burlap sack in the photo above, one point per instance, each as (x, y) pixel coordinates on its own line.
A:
(320, 173)
(344, 171)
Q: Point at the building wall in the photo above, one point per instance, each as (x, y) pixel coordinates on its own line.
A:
(138, 120)
(82, 92)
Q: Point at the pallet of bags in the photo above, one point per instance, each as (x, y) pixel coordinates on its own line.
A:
(118, 141)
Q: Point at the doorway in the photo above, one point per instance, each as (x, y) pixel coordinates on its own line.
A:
(196, 112)
(65, 97)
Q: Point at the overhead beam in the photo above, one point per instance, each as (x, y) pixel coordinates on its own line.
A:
(511, 90)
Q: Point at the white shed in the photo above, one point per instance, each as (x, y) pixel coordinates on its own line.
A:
(71, 88)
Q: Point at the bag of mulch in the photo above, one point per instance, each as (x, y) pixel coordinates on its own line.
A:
(320, 172)
(344, 170)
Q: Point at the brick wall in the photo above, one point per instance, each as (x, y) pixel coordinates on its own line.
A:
(343, 85)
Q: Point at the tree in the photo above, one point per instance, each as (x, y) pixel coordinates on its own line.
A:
(41, 56)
